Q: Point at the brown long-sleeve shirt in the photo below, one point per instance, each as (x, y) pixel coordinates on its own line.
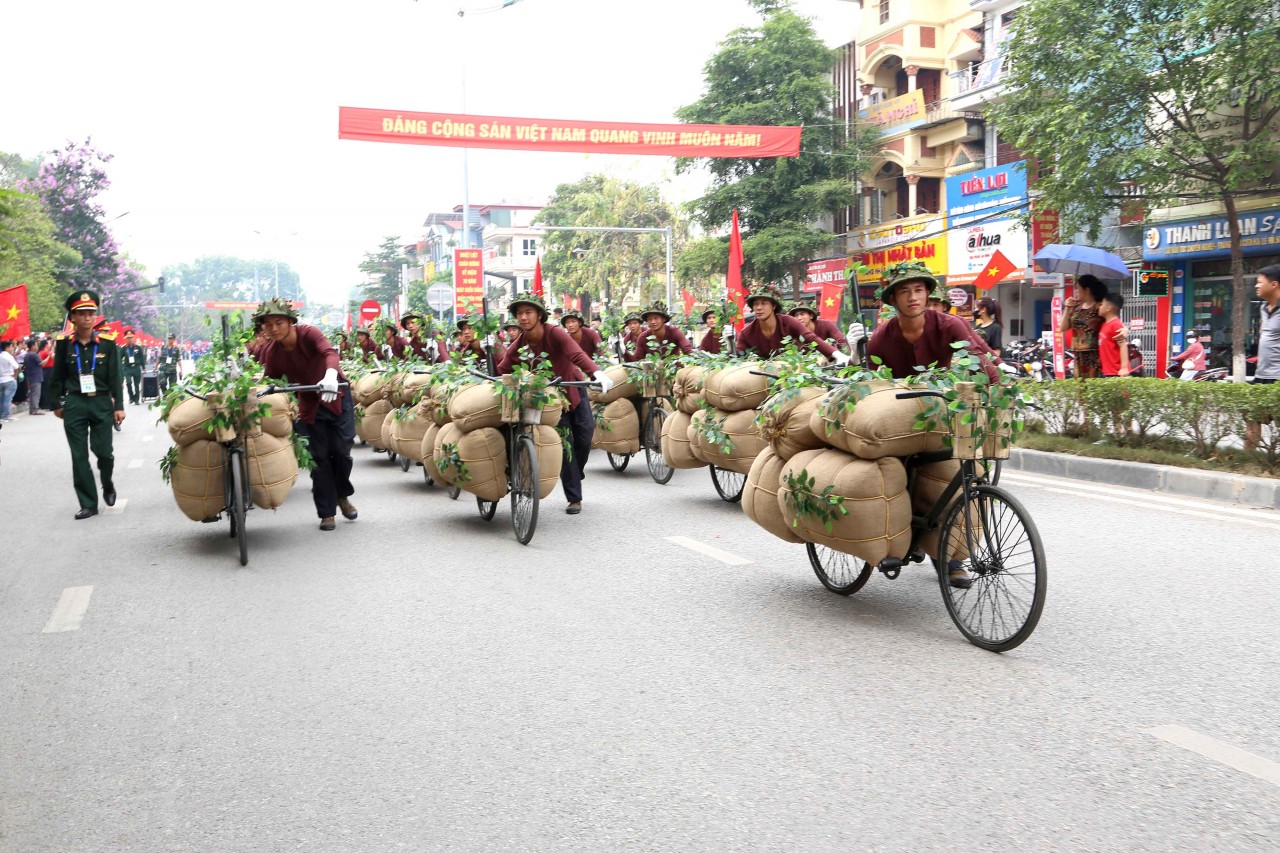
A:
(934, 345)
(710, 342)
(560, 350)
(829, 331)
(589, 341)
(648, 342)
(754, 338)
(305, 364)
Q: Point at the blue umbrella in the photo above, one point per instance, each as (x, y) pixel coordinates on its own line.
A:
(1082, 260)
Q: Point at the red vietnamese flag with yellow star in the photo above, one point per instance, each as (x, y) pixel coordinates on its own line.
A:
(15, 319)
(829, 301)
(997, 269)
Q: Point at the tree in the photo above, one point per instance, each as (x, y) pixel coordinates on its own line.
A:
(1178, 97)
(68, 186)
(607, 266)
(383, 268)
(216, 278)
(777, 74)
(30, 252)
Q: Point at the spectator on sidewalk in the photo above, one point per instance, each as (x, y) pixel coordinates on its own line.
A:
(8, 381)
(987, 324)
(1082, 319)
(1192, 358)
(1113, 343)
(1268, 372)
(34, 374)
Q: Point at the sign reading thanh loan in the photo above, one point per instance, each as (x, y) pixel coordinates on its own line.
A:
(589, 137)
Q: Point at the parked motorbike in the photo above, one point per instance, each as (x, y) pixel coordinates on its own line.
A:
(1212, 374)
(1025, 359)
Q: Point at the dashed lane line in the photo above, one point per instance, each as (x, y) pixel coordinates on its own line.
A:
(135, 463)
(708, 551)
(1219, 751)
(148, 437)
(72, 605)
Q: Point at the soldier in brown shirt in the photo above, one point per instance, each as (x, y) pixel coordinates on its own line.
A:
(764, 337)
(660, 336)
(824, 329)
(584, 336)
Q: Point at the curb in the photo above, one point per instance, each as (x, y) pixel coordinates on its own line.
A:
(1207, 485)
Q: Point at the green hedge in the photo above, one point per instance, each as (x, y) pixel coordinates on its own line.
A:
(1151, 412)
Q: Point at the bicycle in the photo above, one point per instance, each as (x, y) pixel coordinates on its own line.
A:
(655, 392)
(522, 463)
(237, 492)
(985, 531)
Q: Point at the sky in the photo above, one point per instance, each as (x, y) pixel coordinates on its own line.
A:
(222, 115)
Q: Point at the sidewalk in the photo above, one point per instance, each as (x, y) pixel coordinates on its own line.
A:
(1207, 485)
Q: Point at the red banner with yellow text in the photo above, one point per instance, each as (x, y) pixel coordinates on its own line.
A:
(468, 280)
(589, 137)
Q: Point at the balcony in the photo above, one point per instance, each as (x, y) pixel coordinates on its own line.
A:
(971, 87)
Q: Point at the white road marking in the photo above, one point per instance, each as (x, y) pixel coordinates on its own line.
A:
(1150, 500)
(121, 503)
(135, 463)
(708, 551)
(1219, 751)
(148, 437)
(70, 610)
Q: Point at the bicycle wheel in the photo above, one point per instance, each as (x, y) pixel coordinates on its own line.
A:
(843, 574)
(729, 484)
(426, 475)
(989, 470)
(239, 490)
(405, 463)
(487, 508)
(391, 455)
(991, 535)
(454, 491)
(659, 470)
(524, 489)
(619, 461)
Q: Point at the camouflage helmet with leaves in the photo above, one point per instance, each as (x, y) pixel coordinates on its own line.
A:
(572, 314)
(528, 299)
(656, 307)
(275, 307)
(632, 315)
(902, 273)
(766, 291)
(797, 307)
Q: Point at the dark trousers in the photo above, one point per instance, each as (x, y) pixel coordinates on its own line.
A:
(33, 394)
(581, 425)
(87, 422)
(133, 381)
(167, 378)
(329, 439)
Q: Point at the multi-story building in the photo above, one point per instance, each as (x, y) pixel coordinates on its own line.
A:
(511, 243)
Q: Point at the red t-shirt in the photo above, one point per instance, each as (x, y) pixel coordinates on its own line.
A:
(1109, 347)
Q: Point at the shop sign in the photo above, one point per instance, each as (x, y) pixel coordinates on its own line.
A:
(1211, 237)
(970, 249)
(901, 113)
(914, 239)
(986, 192)
(959, 296)
(468, 279)
(825, 271)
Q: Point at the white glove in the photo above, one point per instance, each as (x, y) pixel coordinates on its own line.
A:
(491, 341)
(605, 382)
(857, 332)
(840, 358)
(329, 386)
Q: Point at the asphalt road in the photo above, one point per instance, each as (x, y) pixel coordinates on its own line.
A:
(417, 680)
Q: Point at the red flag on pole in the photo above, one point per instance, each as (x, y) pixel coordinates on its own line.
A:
(688, 301)
(829, 302)
(537, 279)
(734, 278)
(15, 316)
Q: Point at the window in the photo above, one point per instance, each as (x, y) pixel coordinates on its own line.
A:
(529, 247)
(884, 11)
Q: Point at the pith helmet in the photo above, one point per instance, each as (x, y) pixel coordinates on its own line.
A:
(903, 273)
(658, 307)
(275, 307)
(528, 299)
(766, 291)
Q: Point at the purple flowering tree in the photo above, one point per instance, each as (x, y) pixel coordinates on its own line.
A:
(68, 186)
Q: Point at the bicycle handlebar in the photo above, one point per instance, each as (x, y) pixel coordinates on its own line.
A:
(912, 395)
(281, 389)
(553, 384)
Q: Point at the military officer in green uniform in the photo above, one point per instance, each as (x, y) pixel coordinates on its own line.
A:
(132, 358)
(170, 359)
(88, 394)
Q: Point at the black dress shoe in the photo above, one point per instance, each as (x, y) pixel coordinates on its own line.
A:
(85, 513)
(109, 496)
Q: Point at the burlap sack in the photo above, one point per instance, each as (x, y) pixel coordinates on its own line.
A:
(413, 385)
(427, 454)
(476, 407)
(747, 443)
(622, 388)
(676, 448)
(435, 405)
(696, 445)
(369, 427)
(387, 420)
(554, 409)
(786, 421)
(735, 388)
(273, 469)
(369, 388)
(931, 481)
(196, 479)
(407, 433)
(878, 519)
(617, 428)
(687, 388)
(880, 424)
(279, 420)
(484, 453)
(760, 496)
(189, 422)
(550, 451)
(448, 434)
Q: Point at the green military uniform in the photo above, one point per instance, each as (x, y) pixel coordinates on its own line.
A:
(88, 417)
(132, 358)
(170, 356)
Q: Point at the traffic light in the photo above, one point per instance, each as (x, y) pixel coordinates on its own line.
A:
(160, 283)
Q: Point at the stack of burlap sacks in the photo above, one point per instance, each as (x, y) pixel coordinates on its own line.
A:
(380, 395)
(859, 455)
(617, 414)
(734, 395)
(474, 415)
(197, 476)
